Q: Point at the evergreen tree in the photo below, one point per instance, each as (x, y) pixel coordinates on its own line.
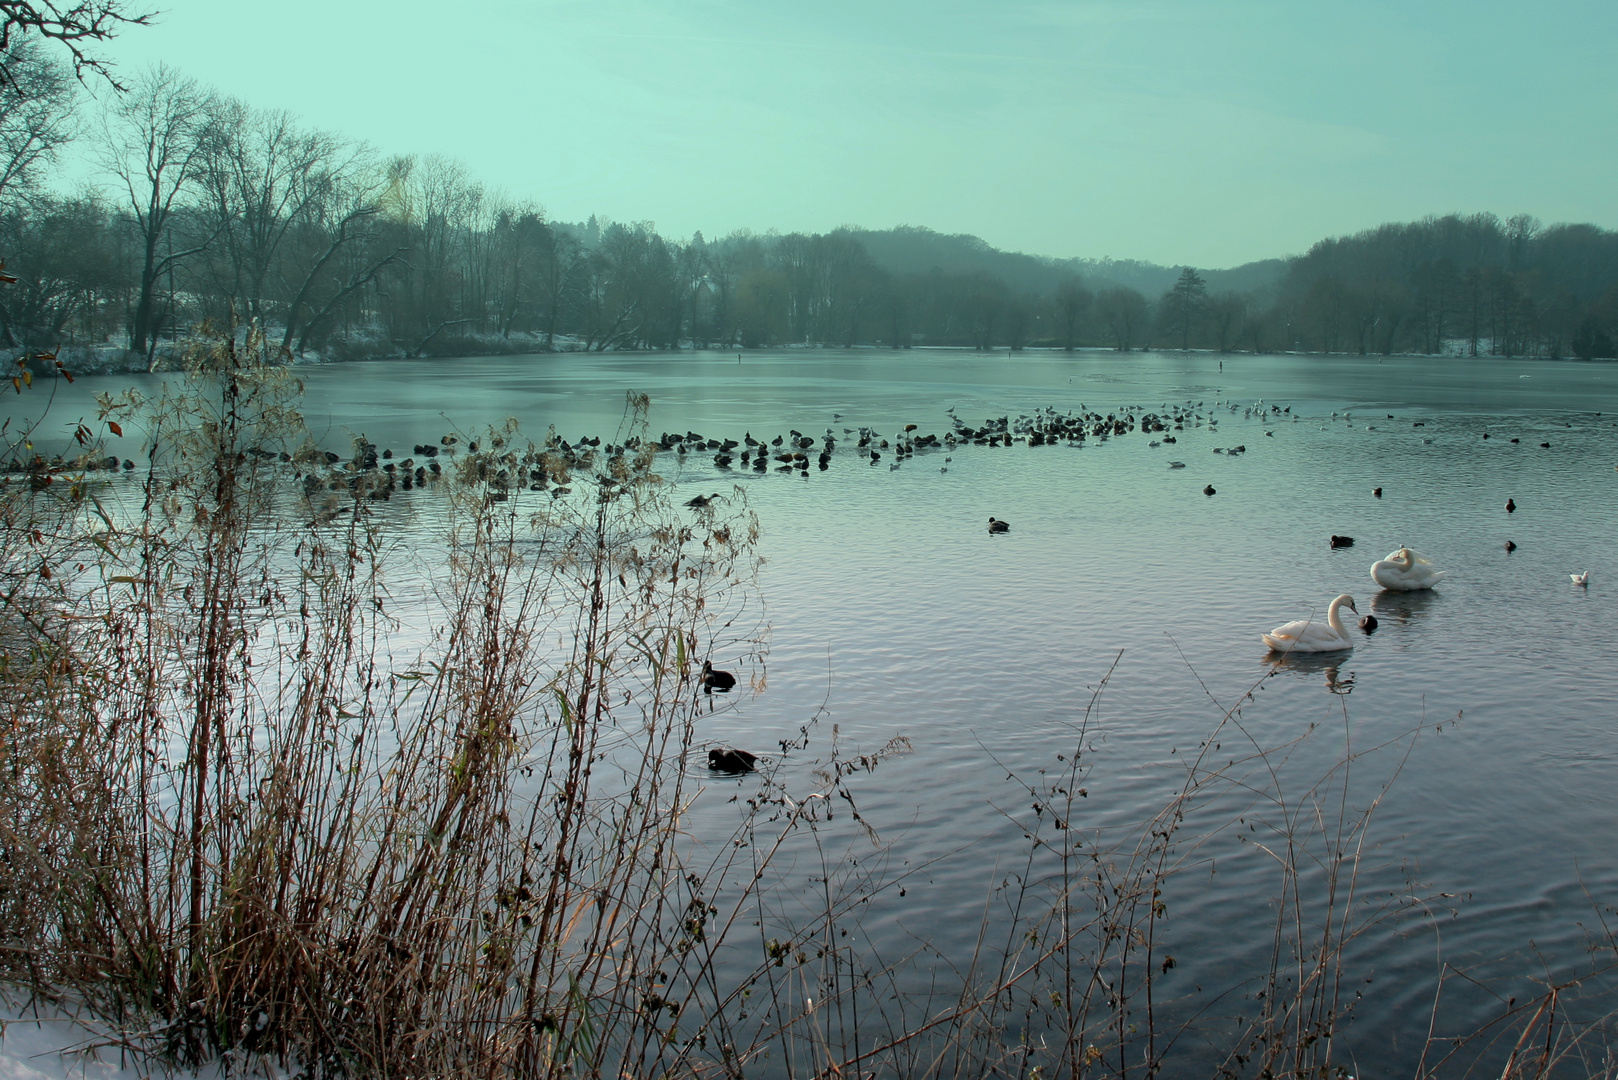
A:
(1182, 307)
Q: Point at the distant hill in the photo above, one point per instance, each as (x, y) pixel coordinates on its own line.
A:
(911, 249)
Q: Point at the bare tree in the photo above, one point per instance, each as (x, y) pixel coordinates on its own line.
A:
(893, 306)
(1255, 327)
(984, 304)
(1326, 311)
(762, 306)
(519, 239)
(1022, 320)
(629, 274)
(438, 203)
(155, 141)
(1124, 311)
(1436, 285)
(561, 270)
(1521, 231)
(66, 259)
(729, 261)
(36, 118)
(692, 262)
(347, 247)
(1225, 314)
(266, 178)
(1072, 304)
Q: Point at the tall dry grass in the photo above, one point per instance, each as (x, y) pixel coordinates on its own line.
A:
(231, 808)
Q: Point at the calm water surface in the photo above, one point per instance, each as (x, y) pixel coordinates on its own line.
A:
(887, 599)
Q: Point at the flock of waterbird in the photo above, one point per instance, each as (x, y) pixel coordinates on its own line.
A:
(547, 468)
(1403, 570)
(1047, 427)
(377, 473)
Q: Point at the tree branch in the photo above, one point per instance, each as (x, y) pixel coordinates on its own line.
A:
(86, 21)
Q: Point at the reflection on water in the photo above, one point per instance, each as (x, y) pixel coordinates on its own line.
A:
(1405, 607)
(1310, 665)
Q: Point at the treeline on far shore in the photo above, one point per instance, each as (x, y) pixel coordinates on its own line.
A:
(204, 208)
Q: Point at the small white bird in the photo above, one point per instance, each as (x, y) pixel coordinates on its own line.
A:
(1581, 579)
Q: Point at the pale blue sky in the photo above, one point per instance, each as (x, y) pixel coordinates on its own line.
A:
(1208, 133)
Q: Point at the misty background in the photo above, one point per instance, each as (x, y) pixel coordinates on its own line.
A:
(373, 181)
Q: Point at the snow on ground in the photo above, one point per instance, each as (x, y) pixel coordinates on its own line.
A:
(39, 1041)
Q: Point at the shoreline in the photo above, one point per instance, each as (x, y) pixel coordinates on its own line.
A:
(84, 360)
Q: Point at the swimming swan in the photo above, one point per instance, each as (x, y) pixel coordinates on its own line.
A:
(1307, 635)
(1405, 571)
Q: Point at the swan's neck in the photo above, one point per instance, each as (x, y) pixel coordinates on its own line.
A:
(1334, 620)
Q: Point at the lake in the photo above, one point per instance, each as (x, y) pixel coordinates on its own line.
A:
(889, 606)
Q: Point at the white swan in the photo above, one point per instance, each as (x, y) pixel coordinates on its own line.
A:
(1405, 571)
(1307, 635)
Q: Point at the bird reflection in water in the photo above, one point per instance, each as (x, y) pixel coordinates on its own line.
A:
(1309, 664)
(1404, 607)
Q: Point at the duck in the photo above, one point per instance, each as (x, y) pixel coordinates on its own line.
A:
(1341, 541)
(996, 526)
(731, 761)
(1581, 579)
(1405, 571)
(1510, 546)
(1368, 623)
(1308, 635)
(1209, 490)
(1511, 506)
(716, 681)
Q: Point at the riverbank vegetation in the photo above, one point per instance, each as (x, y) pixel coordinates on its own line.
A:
(203, 207)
